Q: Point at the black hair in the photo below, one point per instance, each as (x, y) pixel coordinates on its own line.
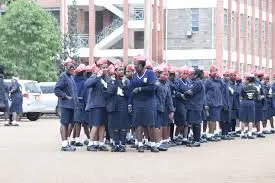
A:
(198, 73)
(80, 73)
(142, 63)
(1, 76)
(251, 79)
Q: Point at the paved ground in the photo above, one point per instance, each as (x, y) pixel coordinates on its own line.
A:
(30, 154)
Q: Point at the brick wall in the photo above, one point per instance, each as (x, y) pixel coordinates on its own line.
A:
(180, 21)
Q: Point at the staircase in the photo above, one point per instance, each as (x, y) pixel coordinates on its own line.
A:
(110, 34)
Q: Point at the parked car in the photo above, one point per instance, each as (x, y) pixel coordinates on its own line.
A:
(48, 99)
(32, 106)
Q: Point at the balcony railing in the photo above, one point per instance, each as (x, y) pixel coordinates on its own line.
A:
(83, 40)
(116, 23)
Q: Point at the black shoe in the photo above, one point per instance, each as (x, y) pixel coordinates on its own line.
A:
(225, 137)
(115, 148)
(195, 144)
(140, 149)
(235, 135)
(243, 136)
(251, 137)
(92, 148)
(204, 136)
(68, 148)
(134, 146)
(147, 147)
(86, 142)
(131, 142)
(202, 140)
(162, 147)
(8, 124)
(154, 149)
(212, 139)
(186, 142)
(122, 148)
(78, 144)
(260, 135)
(272, 131)
(254, 133)
(72, 143)
(239, 132)
(218, 138)
(231, 137)
(102, 148)
(107, 142)
(266, 132)
(172, 144)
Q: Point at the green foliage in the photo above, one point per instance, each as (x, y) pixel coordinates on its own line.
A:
(70, 40)
(29, 40)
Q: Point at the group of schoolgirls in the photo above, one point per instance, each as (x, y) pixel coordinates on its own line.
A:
(141, 103)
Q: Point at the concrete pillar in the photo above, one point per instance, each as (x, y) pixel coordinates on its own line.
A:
(148, 29)
(92, 24)
(126, 32)
(238, 36)
(219, 34)
(273, 37)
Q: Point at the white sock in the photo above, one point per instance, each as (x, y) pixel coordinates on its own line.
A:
(180, 136)
(153, 144)
(149, 143)
(111, 141)
(77, 140)
(64, 143)
(96, 143)
(72, 140)
(209, 135)
(140, 144)
(146, 141)
(185, 139)
(249, 133)
(242, 133)
(91, 143)
(158, 144)
(136, 142)
(101, 143)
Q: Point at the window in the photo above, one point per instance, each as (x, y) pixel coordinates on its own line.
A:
(47, 89)
(233, 66)
(225, 39)
(256, 35)
(225, 65)
(241, 69)
(195, 19)
(249, 41)
(56, 15)
(32, 87)
(263, 39)
(233, 26)
(241, 32)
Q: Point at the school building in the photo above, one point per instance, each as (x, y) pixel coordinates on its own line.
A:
(232, 34)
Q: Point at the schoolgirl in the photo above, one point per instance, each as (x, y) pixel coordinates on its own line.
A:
(213, 92)
(79, 113)
(182, 84)
(165, 109)
(117, 108)
(143, 102)
(249, 94)
(268, 110)
(260, 104)
(228, 97)
(65, 90)
(195, 101)
(97, 106)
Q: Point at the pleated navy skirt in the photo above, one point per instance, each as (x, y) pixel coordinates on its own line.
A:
(118, 120)
(98, 116)
(247, 111)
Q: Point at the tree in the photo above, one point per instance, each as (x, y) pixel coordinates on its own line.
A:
(70, 40)
(29, 40)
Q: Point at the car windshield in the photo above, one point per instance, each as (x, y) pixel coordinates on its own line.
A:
(47, 89)
(32, 87)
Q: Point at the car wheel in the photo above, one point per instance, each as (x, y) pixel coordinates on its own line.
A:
(33, 116)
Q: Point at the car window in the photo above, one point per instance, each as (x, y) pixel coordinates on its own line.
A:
(47, 89)
(32, 87)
